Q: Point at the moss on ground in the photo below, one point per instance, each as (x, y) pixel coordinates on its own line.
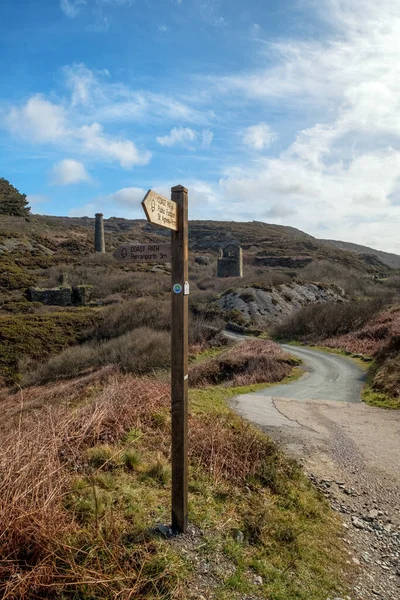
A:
(37, 336)
(379, 399)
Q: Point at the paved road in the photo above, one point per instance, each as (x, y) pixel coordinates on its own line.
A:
(321, 420)
(328, 377)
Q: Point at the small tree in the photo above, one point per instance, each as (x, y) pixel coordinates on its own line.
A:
(12, 202)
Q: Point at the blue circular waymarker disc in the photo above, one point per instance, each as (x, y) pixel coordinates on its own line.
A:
(177, 288)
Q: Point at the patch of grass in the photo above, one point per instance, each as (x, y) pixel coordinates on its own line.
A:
(160, 472)
(101, 457)
(132, 460)
(379, 399)
(247, 296)
(213, 399)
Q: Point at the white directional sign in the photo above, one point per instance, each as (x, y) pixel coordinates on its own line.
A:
(160, 210)
(143, 253)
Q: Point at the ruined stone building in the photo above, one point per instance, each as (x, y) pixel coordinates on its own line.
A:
(63, 295)
(230, 260)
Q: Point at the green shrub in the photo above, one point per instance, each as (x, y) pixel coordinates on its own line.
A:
(13, 277)
(141, 351)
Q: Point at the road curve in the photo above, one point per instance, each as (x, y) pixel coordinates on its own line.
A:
(328, 377)
(351, 448)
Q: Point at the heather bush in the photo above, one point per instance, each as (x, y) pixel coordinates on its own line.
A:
(107, 278)
(385, 375)
(353, 282)
(206, 333)
(141, 351)
(251, 361)
(373, 337)
(322, 320)
(123, 317)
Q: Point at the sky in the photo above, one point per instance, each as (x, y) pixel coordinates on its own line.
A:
(282, 111)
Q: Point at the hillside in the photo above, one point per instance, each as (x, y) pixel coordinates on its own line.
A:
(389, 259)
(47, 240)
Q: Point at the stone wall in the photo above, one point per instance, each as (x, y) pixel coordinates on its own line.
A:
(54, 296)
(78, 295)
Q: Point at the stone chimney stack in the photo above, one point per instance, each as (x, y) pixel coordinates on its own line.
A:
(99, 243)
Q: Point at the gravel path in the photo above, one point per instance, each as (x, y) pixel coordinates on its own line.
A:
(352, 453)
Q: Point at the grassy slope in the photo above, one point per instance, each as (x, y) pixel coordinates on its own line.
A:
(39, 335)
(114, 485)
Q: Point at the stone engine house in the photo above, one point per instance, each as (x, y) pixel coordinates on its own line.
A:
(230, 260)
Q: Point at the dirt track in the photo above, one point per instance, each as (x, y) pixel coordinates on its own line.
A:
(351, 450)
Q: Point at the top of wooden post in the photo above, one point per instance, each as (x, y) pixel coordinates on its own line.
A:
(179, 188)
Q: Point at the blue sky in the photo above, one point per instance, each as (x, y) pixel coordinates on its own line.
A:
(285, 112)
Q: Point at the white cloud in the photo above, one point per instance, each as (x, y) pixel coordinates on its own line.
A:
(106, 100)
(125, 203)
(96, 143)
(184, 136)
(41, 121)
(35, 200)
(178, 136)
(69, 171)
(259, 137)
(82, 82)
(207, 137)
(130, 197)
(71, 8)
(38, 119)
(341, 174)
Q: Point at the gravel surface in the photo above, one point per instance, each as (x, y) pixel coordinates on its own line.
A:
(351, 451)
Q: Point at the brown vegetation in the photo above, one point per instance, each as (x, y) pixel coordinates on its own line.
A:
(386, 370)
(246, 363)
(77, 499)
(316, 322)
(371, 338)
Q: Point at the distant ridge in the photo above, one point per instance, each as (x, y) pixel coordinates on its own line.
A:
(44, 240)
(392, 260)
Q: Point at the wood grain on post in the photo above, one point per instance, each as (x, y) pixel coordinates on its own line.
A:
(179, 363)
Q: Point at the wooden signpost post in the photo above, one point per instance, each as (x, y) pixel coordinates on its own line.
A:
(172, 214)
(179, 357)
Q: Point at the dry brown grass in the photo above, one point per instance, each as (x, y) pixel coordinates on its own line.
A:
(251, 361)
(48, 551)
(43, 448)
(372, 338)
(40, 453)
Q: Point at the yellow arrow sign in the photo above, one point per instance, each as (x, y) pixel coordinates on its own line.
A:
(160, 210)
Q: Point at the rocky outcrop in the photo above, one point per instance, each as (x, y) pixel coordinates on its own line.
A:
(273, 304)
